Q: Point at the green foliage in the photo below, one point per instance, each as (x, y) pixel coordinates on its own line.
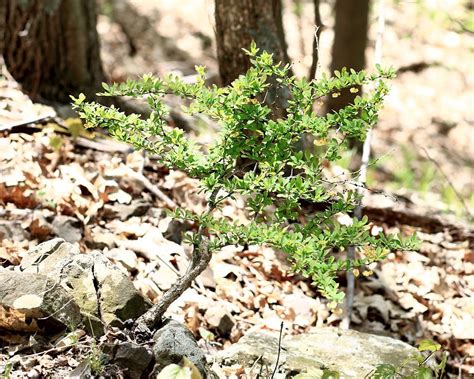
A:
(96, 359)
(330, 374)
(7, 370)
(256, 155)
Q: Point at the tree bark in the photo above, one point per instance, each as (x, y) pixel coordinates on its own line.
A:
(238, 23)
(51, 47)
(350, 42)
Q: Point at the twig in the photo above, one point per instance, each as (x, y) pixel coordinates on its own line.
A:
(279, 351)
(150, 187)
(458, 195)
(460, 24)
(255, 364)
(460, 367)
(346, 320)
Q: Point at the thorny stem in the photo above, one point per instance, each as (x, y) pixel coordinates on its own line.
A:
(199, 261)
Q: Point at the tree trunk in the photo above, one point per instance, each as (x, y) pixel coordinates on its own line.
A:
(350, 41)
(51, 47)
(238, 23)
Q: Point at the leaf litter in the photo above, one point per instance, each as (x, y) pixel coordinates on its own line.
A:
(45, 175)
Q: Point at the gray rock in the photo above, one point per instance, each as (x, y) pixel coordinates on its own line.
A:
(103, 292)
(12, 230)
(173, 342)
(352, 354)
(83, 371)
(68, 228)
(118, 298)
(32, 302)
(49, 256)
(130, 357)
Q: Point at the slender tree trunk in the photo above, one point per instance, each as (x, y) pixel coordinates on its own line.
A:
(51, 47)
(350, 41)
(238, 23)
(317, 34)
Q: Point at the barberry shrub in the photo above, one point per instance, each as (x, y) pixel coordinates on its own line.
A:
(258, 156)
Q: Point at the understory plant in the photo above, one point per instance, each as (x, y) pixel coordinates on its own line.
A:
(258, 156)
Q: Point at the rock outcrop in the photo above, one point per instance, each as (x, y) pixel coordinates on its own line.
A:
(33, 303)
(105, 295)
(352, 354)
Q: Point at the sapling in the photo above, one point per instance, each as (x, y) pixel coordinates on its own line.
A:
(256, 155)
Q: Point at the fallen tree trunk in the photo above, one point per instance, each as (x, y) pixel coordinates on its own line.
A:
(429, 223)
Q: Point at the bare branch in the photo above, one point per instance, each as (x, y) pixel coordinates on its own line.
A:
(317, 34)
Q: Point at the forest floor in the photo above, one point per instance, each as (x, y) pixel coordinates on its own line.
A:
(54, 167)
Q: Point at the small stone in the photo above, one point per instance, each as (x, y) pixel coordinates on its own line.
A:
(12, 230)
(130, 357)
(48, 256)
(103, 292)
(172, 343)
(68, 228)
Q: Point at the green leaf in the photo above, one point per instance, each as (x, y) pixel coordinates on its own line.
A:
(174, 371)
(428, 345)
(421, 373)
(384, 371)
(330, 374)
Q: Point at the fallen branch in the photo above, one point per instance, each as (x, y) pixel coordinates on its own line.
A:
(27, 121)
(151, 187)
(426, 222)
